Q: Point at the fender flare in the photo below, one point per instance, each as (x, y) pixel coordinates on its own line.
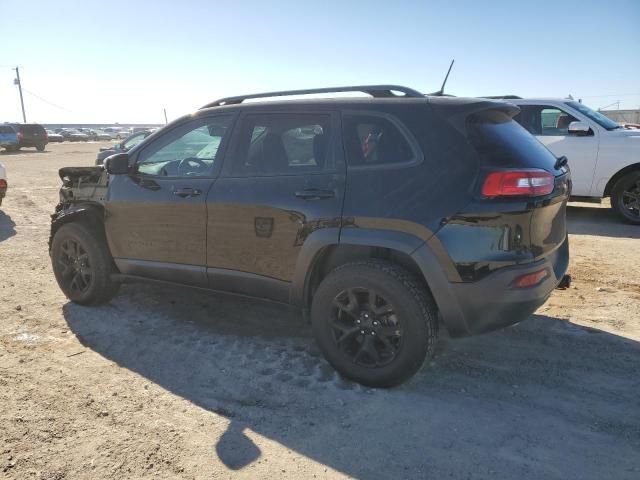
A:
(94, 214)
(427, 256)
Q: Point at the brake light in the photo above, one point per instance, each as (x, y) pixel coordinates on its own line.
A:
(530, 183)
(530, 279)
(3, 183)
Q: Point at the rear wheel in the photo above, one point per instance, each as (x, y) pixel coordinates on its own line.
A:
(625, 197)
(82, 265)
(374, 323)
(40, 148)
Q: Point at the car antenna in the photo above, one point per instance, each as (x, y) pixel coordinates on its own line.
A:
(446, 77)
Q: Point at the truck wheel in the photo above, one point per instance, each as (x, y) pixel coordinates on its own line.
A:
(40, 148)
(374, 323)
(82, 265)
(625, 197)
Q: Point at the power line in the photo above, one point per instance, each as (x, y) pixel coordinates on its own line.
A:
(46, 101)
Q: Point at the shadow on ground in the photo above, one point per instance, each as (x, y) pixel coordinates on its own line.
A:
(21, 152)
(7, 226)
(542, 399)
(584, 220)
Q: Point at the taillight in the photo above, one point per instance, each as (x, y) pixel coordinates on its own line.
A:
(530, 279)
(19, 136)
(529, 183)
(3, 183)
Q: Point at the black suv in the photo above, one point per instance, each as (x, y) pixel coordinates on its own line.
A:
(378, 217)
(29, 135)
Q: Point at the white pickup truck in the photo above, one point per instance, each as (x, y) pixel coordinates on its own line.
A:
(603, 156)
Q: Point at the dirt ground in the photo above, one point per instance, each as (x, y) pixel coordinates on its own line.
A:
(169, 383)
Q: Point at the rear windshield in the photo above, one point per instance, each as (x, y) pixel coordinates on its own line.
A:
(503, 143)
(6, 129)
(32, 129)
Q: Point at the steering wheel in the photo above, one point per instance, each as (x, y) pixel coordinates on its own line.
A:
(185, 167)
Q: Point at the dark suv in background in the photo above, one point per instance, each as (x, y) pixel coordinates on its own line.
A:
(28, 135)
(378, 217)
(124, 146)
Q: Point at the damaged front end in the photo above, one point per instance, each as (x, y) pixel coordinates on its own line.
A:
(83, 184)
(82, 197)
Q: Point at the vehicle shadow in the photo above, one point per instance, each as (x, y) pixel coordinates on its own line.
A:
(7, 226)
(22, 152)
(587, 220)
(542, 399)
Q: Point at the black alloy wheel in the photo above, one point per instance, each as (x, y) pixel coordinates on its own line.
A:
(630, 199)
(76, 273)
(625, 197)
(374, 322)
(366, 327)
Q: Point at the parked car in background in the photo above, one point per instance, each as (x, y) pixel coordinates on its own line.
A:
(72, 135)
(100, 135)
(3, 182)
(123, 146)
(117, 133)
(91, 134)
(8, 138)
(603, 156)
(29, 135)
(54, 137)
(377, 217)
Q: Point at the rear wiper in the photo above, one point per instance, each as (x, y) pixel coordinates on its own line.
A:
(560, 162)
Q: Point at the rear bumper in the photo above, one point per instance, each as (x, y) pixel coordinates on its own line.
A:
(471, 308)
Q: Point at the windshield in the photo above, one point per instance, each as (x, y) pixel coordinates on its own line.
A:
(134, 140)
(597, 117)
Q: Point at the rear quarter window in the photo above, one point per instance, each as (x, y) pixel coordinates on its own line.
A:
(503, 143)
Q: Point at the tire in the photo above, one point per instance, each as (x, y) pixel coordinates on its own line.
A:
(406, 316)
(625, 197)
(40, 148)
(79, 286)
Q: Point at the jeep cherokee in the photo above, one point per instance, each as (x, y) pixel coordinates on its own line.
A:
(378, 217)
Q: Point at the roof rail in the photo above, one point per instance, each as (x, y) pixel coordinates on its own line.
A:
(377, 91)
(503, 97)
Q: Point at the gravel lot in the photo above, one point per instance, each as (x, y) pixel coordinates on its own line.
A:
(169, 383)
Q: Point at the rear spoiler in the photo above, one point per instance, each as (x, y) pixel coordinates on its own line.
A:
(456, 110)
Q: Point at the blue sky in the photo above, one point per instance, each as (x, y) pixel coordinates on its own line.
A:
(126, 61)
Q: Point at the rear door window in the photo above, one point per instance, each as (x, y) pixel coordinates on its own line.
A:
(6, 129)
(283, 144)
(372, 140)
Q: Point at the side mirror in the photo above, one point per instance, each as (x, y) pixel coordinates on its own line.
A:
(117, 164)
(580, 129)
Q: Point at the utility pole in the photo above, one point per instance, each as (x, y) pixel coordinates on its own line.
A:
(17, 82)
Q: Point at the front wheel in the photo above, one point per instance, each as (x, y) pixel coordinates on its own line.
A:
(625, 197)
(82, 265)
(374, 322)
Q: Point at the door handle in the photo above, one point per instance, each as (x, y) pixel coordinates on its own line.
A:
(187, 192)
(315, 194)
